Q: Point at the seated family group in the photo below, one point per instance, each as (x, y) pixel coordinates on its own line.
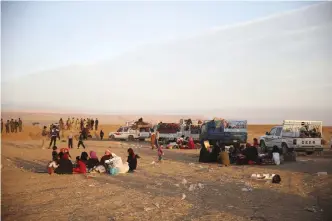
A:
(61, 162)
(249, 154)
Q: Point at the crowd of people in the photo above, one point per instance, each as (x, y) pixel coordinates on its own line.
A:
(12, 126)
(249, 154)
(89, 163)
(79, 124)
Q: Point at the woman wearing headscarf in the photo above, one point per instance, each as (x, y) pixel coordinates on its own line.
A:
(93, 160)
(81, 163)
(107, 156)
(191, 144)
(132, 160)
(65, 165)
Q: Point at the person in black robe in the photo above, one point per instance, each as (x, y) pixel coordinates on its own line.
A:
(65, 165)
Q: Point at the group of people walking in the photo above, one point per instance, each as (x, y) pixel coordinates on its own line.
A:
(79, 124)
(12, 126)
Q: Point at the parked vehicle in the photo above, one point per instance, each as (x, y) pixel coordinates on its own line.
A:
(294, 135)
(131, 132)
(169, 132)
(227, 132)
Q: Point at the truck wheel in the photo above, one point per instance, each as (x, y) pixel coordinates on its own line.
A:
(284, 148)
(309, 152)
(131, 138)
(141, 139)
(263, 146)
(112, 137)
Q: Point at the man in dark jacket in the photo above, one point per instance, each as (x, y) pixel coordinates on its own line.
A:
(54, 135)
(80, 141)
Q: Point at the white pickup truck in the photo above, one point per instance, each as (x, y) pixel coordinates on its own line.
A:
(127, 133)
(293, 135)
(187, 131)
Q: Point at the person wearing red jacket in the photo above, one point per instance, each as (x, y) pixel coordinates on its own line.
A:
(80, 164)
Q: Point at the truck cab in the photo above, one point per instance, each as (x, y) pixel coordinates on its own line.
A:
(300, 136)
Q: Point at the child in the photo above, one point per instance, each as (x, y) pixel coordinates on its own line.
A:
(160, 153)
(80, 141)
(54, 163)
(80, 166)
(70, 140)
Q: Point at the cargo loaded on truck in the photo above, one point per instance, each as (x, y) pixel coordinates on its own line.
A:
(169, 132)
(138, 130)
(294, 135)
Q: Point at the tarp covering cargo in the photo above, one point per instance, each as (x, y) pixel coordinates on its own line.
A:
(168, 128)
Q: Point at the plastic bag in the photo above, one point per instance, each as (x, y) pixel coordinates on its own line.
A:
(113, 171)
(276, 158)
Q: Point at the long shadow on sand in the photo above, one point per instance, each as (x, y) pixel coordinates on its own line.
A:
(260, 204)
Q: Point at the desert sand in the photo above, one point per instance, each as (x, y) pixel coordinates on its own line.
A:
(156, 191)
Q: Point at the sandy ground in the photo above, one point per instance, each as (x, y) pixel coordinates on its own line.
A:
(156, 190)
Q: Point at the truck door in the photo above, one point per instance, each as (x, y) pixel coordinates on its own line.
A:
(125, 133)
(118, 133)
(277, 137)
(270, 137)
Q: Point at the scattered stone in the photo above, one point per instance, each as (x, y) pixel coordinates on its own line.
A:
(147, 209)
(312, 209)
(201, 186)
(157, 205)
(183, 196)
(184, 181)
(321, 173)
(177, 185)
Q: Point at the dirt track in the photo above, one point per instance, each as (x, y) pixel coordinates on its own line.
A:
(154, 192)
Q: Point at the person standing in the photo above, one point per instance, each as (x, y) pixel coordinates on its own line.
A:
(12, 126)
(7, 127)
(101, 134)
(153, 139)
(20, 124)
(96, 124)
(70, 140)
(1, 125)
(15, 126)
(54, 135)
(92, 123)
(80, 141)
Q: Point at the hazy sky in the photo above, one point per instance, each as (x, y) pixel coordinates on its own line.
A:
(45, 35)
(261, 61)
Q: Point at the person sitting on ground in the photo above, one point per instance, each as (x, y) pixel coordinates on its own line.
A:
(84, 157)
(107, 156)
(191, 144)
(255, 144)
(55, 155)
(80, 164)
(54, 163)
(65, 150)
(65, 165)
(132, 160)
(93, 160)
(251, 154)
